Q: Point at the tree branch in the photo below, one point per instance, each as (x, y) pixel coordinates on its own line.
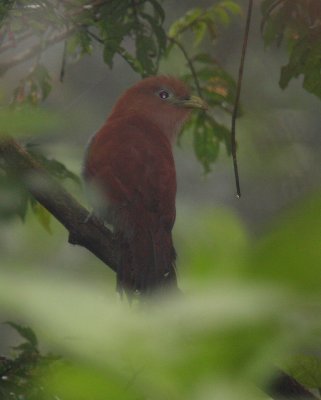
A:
(13, 43)
(56, 37)
(83, 231)
(34, 50)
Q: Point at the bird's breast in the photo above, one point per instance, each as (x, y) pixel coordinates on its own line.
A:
(131, 162)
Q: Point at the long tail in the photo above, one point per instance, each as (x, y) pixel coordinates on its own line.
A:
(147, 261)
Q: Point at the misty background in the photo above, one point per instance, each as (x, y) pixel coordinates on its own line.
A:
(278, 139)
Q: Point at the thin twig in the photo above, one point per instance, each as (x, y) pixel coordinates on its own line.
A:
(237, 99)
(63, 63)
(93, 35)
(190, 64)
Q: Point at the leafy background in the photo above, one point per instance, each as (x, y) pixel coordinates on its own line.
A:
(249, 269)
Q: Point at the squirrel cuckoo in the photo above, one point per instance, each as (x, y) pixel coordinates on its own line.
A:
(130, 164)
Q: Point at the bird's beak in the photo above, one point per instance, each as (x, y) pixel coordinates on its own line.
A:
(193, 102)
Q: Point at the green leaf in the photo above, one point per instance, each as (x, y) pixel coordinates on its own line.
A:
(43, 215)
(26, 332)
(113, 36)
(132, 61)
(79, 44)
(111, 47)
(158, 9)
(145, 51)
(85, 42)
(304, 60)
(184, 22)
(161, 37)
(300, 28)
(220, 14)
(218, 89)
(306, 369)
(312, 71)
(54, 167)
(21, 374)
(200, 31)
(274, 30)
(14, 198)
(115, 11)
(224, 134)
(206, 143)
(114, 24)
(158, 31)
(201, 20)
(218, 86)
(231, 6)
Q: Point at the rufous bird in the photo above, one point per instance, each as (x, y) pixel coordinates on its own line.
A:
(129, 162)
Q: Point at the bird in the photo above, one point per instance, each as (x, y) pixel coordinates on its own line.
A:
(129, 166)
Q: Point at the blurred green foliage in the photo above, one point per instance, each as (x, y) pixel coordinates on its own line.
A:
(26, 120)
(18, 372)
(245, 309)
(298, 24)
(306, 369)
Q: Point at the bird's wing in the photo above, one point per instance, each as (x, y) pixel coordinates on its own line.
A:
(132, 162)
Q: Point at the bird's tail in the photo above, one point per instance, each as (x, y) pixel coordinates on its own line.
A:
(147, 261)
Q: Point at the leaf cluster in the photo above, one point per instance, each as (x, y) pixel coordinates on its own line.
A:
(16, 199)
(218, 88)
(133, 30)
(204, 22)
(19, 373)
(298, 24)
(119, 26)
(34, 88)
(207, 77)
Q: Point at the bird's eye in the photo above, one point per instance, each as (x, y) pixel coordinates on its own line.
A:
(163, 94)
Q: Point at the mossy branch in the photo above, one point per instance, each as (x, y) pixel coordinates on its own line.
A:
(87, 232)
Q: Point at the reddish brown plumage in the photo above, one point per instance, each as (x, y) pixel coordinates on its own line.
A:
(130, 161)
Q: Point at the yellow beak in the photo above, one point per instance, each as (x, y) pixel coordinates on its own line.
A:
(193, 102)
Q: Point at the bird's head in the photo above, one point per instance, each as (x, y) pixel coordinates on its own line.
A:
(164, 100)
